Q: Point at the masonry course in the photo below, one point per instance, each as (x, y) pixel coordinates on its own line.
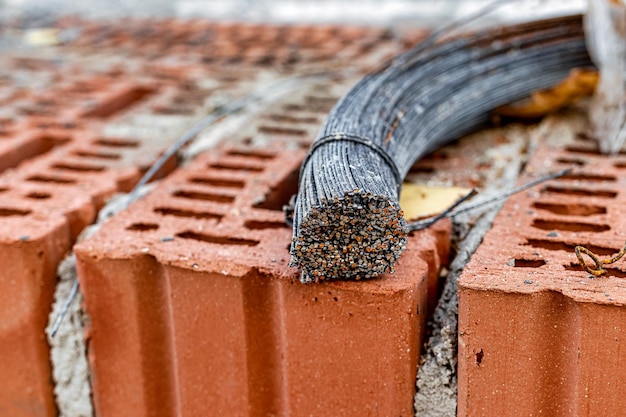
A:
(538, 334)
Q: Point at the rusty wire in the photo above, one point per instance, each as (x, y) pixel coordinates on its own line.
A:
(347, 220)
(598, 270)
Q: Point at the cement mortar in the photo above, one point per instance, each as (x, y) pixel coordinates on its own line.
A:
(70, 370)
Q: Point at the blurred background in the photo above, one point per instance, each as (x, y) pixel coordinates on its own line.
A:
(372, 12)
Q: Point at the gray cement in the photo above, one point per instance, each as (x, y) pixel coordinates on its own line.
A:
(70, 370)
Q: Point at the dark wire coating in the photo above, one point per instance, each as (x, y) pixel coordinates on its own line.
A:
(347, 220)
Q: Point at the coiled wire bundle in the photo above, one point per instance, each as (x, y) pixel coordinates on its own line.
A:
(347, 221)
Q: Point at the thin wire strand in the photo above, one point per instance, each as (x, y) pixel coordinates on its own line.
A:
(451, 212)
(65, 308)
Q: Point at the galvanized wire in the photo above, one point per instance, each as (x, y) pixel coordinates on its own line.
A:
(347, 220)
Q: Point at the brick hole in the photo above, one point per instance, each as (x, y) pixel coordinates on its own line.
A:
(479, 357)
(38, 195)
(8, 212)
(190, 87)
(227, 78)
(527, 263)
(309, 108)
(572, 161)
(34, 111)
(46, 103)
(233, 60)
(619, 164)
(252, 154)
(195, 195)
(275, 130)
(34, 64)
(176, 212)
(570, 226)
(292, 119)
(319, 102)
(56, 125)
(610, 272)
(40, 146)
(583, 150)
(142, 227)
(50, 179)
(247, 141)
(84, 88)
(438, 156)
(570, 209)
(265, 60)
(583, 192)
(264, 225)
(73, 96)
(97, 155)
(217, 182)
(64, 166)
(419, 168)
(174, 110)
(192, 97)
(47, 143)
(581, 176)
(583, 136)
(589, 150)
(279, 195)
(119, 103)
(219, 240)
(554, 245)
(235, 167)
(117, 143)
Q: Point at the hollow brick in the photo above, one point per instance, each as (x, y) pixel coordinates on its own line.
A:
(194, 310)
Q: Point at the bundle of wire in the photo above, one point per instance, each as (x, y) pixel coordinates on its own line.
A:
(347, 222)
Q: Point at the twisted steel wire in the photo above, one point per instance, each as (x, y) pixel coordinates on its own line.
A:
(347, 222)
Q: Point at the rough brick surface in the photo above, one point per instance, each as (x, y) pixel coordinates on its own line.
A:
(194, 310)
(30, 262)
(538, 335)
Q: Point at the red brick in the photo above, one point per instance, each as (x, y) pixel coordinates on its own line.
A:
(194, 311)
(538, 335)
(32, 245)
(58, 182)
